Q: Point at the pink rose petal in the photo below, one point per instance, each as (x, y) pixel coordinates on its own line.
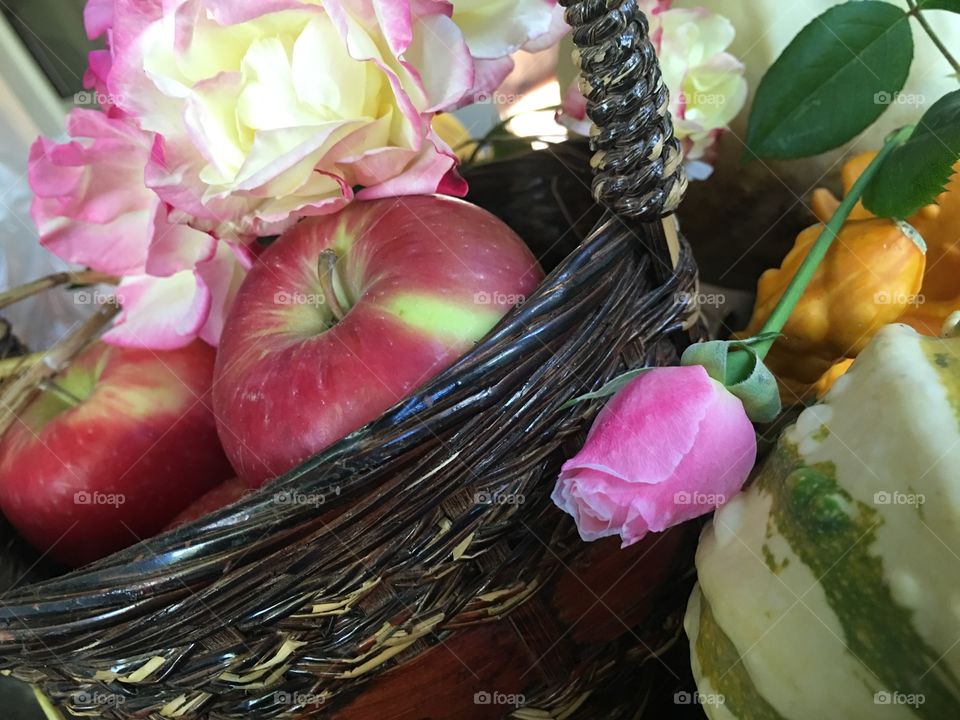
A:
(90, 204)
(222, 274)
(422, 173)
(160, 313)
(396, 20)
(233, 12)
(175, 247)
(444, 85)
(97, 17)
(489, 75)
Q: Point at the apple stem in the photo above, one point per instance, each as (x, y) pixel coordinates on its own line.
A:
(327, 270)
(65, 395)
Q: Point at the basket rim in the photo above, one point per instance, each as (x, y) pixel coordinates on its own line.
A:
(503, 344)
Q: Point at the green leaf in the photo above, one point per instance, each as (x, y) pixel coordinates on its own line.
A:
(833, 80)
(952, 5)
(611, 388)
(919, 170)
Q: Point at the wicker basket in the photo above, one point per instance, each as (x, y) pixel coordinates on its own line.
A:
(411, 595)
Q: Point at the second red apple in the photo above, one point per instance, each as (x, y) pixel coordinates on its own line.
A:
(122, 441)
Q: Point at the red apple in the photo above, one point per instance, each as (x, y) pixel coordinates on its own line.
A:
(304, 361)
(123, 442)
(222, 495)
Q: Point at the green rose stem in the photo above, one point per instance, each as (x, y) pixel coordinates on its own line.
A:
(326, 270)
(916, 12)
(741, 363)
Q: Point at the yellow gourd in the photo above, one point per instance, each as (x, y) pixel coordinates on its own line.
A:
(871, 274)
(938, 224)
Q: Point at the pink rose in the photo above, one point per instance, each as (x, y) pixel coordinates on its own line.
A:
(265, 112)
(91, 207)
(98, 17)
(223, 120)
(670, 446)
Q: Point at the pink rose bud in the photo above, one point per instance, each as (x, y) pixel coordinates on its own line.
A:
(672, 445)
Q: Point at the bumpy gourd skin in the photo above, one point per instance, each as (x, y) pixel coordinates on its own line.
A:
(938, 224)
(825, 588)
(872, 273)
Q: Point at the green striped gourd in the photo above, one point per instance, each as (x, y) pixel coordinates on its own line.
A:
(830, 588)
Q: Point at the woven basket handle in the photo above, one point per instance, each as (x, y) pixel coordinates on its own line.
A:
(638, 164)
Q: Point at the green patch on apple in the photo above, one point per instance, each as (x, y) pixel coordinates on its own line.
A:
(68, 390)
(443, 318)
